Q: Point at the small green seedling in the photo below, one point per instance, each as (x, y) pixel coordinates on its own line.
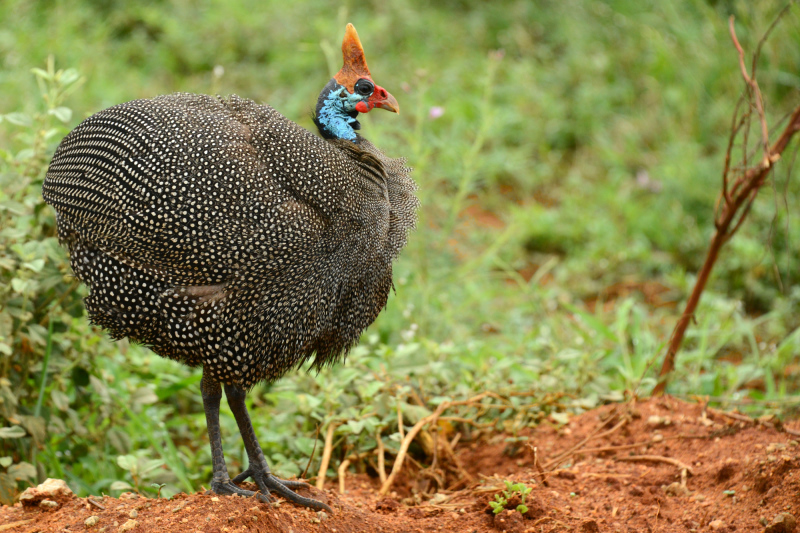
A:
(158, 486)
(502, 499)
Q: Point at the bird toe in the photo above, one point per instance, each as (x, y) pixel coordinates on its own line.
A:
(226, 488)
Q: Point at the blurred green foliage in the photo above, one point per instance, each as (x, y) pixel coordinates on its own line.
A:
(568, 154)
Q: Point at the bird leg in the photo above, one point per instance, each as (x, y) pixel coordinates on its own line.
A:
(258, 469)
(220, 482)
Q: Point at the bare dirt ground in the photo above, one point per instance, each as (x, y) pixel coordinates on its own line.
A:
(661, 465)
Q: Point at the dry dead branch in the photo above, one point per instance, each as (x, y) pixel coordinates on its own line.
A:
(381, 458)
(326, 455)
(740, 186)
(342, 471)
(552, 463)
(417, 428)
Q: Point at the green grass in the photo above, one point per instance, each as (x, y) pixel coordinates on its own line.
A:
(580, 149)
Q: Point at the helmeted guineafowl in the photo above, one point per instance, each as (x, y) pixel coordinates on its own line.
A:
(219, 233)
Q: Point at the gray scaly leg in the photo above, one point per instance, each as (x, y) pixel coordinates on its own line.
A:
(220, 482)
(258, 469)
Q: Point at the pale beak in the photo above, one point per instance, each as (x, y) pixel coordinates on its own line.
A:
(383, 99)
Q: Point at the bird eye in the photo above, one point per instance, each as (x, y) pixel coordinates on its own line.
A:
(364, 87)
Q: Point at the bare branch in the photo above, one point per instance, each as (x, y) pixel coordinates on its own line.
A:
(754, 87)
(735, 128)
(735, 200)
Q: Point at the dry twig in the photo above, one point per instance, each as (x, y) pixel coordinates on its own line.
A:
(409, 437)
(736, 198)
(96, 504)
(342, 471)
(400, 427)
(13, 525)
(747, 420)
(549, 465)
(462, 472)
(326, 455)
(313, 451)
(657, 459)
(381, 458)
(604, 475)
(538, 466)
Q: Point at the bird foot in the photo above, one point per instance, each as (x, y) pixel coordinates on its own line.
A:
(226, 488)
(267, 484)
(290, 483)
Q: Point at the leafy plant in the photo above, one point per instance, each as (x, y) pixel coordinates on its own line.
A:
(501, 499)
(140, 469)
(158, 487)
(37, 300)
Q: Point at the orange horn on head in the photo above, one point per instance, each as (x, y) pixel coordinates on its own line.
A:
(355, 64)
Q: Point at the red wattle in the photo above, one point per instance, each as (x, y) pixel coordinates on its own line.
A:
(363, 107)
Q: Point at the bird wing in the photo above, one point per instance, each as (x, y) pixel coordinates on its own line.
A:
(180, 185)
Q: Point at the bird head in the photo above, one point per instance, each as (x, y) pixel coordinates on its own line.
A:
(350, 92)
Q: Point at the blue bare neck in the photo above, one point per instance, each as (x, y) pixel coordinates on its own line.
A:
(336, 112)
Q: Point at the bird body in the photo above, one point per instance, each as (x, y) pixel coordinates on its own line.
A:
(221, 234)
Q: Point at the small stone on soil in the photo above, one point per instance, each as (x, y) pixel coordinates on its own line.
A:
(566, 474)
(676, 489)
(387, 504)
(91, 521)
(48, 504)
(658, 421)
(590, 527)
(775, 446)
(134, 513)
(127, 526)
(51, 488)
(716, 525)
(782, 523)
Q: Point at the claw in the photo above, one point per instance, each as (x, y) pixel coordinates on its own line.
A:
(258, 468)
(294, 484)
(276, 485)
(226, 488)
(267, 483)
(290, 483)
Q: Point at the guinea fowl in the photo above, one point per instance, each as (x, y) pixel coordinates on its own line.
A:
(218, 233)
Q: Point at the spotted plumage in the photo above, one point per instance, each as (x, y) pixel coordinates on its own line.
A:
(221, 234)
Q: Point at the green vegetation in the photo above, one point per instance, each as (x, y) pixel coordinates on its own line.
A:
(567, 194)
(512, 489)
